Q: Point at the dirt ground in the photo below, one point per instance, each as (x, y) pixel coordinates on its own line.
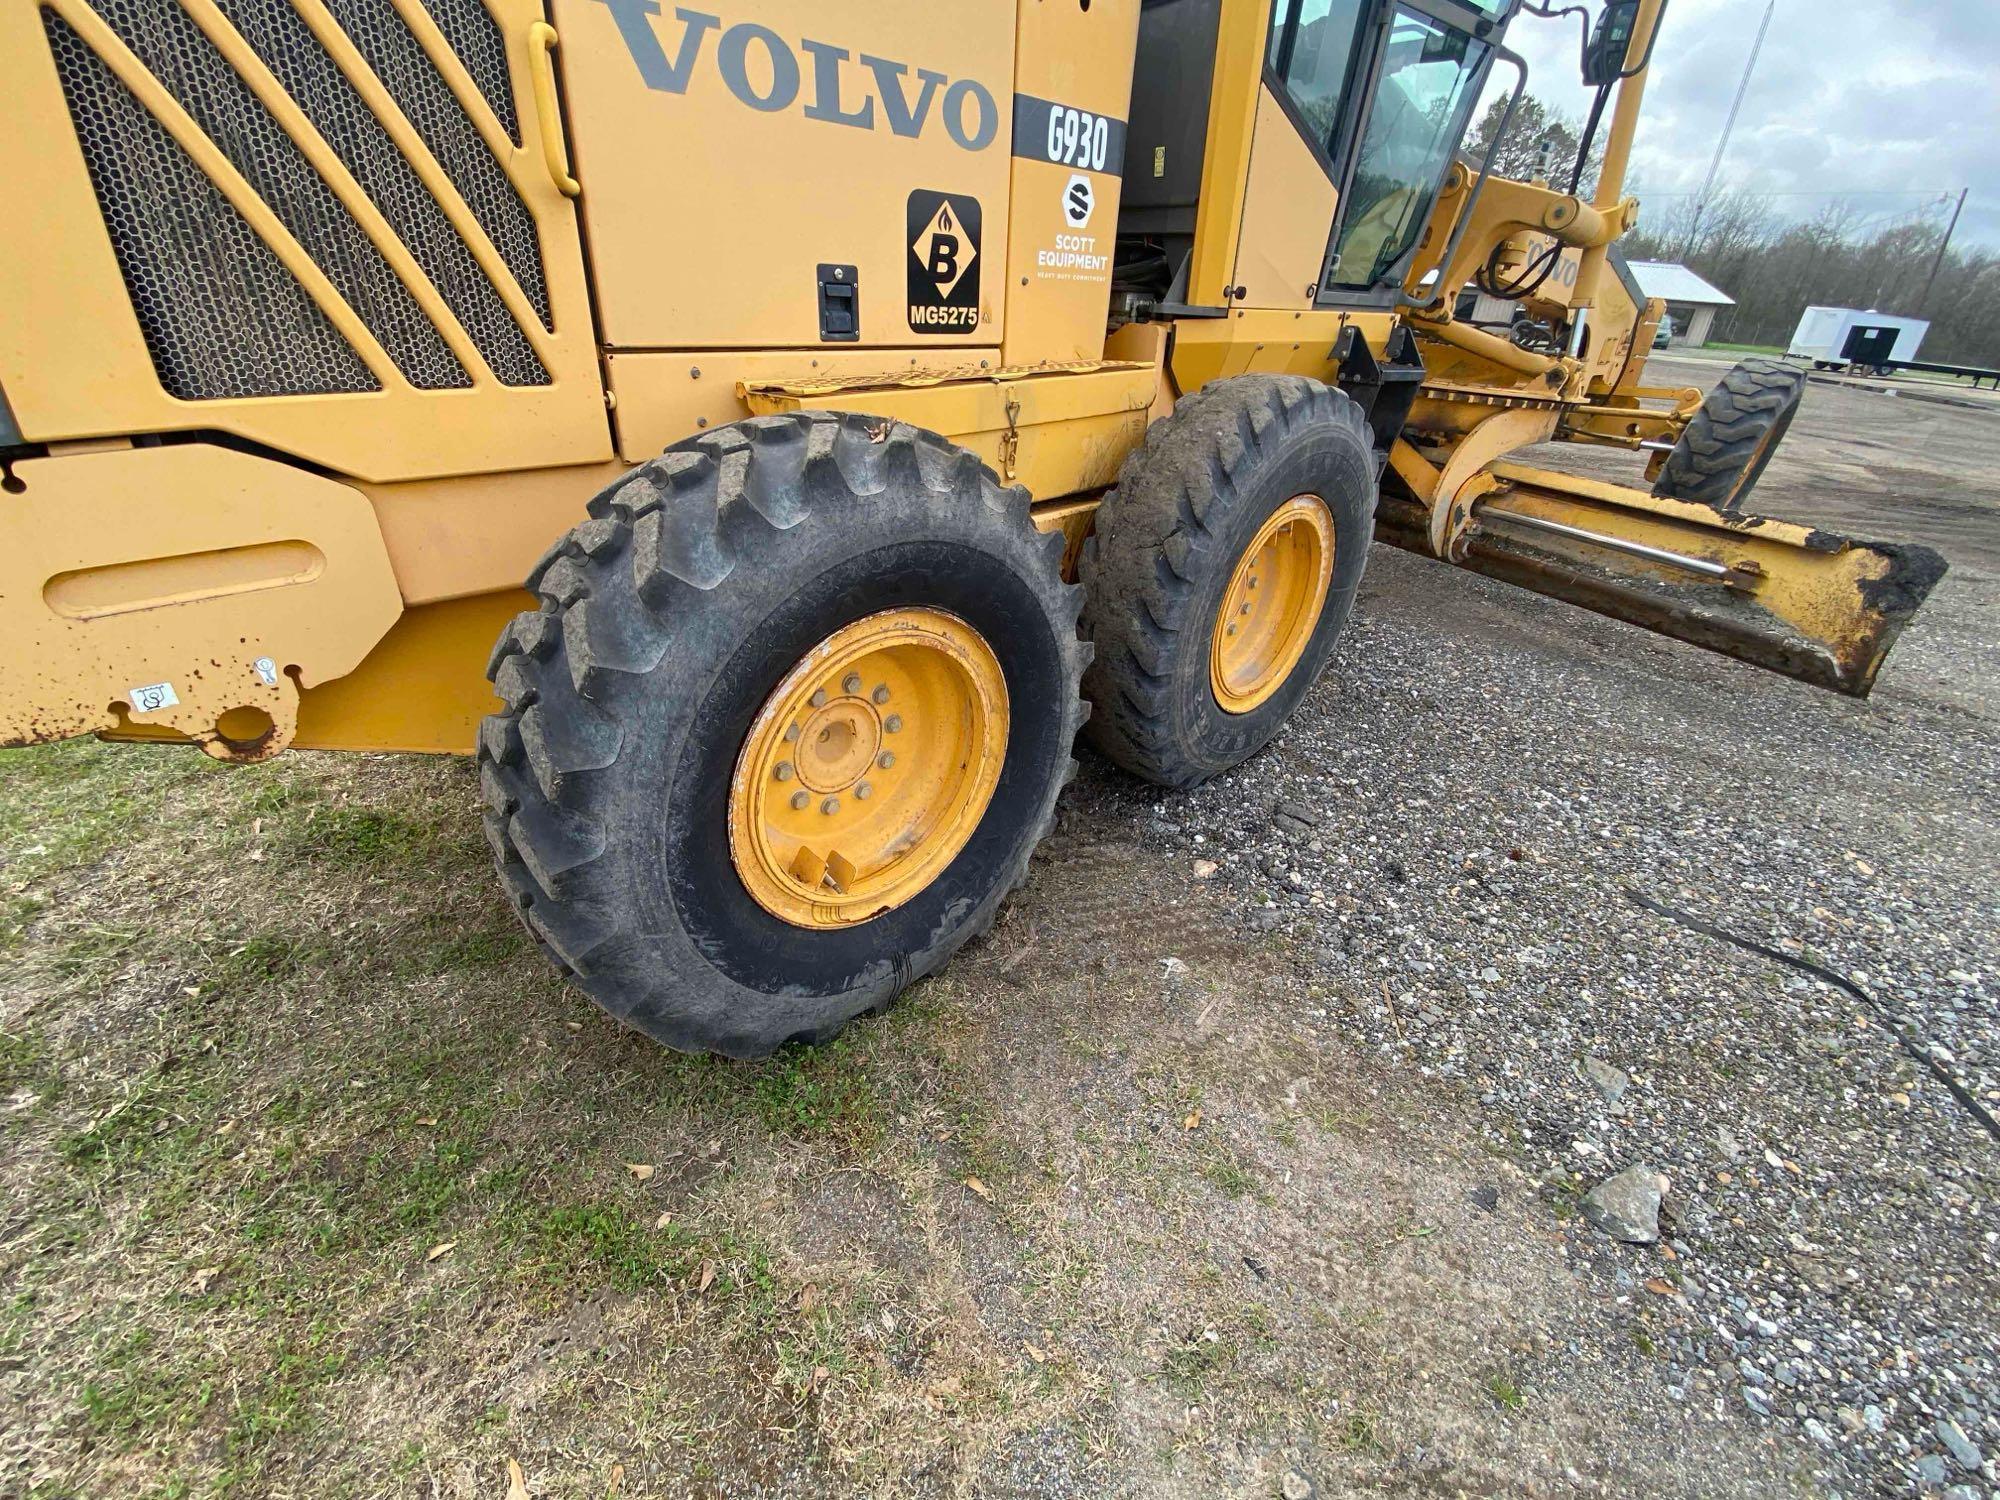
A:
(314, 1182)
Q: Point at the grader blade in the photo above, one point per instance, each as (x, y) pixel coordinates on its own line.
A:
(1802, 602)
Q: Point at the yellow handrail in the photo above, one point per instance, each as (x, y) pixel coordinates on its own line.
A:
(541, 42)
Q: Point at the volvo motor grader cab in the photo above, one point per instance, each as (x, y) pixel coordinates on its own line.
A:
(860, 390)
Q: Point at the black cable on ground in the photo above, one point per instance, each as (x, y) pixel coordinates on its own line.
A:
(1959, 1091)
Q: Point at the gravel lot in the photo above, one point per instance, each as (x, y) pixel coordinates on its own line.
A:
(1455, 827)
(1259, 1150)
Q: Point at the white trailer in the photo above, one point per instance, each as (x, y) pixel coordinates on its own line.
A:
(1851, 336)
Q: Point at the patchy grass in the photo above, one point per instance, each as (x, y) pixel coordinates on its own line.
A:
(1355, 1432)
(362, 838)
(318, 1181)
(25, 1064)
(1189, 1366)
(1227, 1174)
(823, 1093)
(328, 1110)
(57, 817)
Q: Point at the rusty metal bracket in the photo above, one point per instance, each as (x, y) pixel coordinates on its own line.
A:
(1451, 491)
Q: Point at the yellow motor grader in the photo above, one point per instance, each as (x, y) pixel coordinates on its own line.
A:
(860, 391)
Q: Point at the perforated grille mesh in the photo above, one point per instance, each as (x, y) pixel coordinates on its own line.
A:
(222, 317)
(364, 145)
(161, 224)
(399, 60)
(176, 53)
(475, 36)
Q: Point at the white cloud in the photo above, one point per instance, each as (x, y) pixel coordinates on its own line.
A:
(1891, 103)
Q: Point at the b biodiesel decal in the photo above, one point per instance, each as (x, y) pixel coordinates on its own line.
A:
(943, 262)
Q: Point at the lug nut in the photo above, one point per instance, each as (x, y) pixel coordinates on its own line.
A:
(862, 789)
(818, 699)
(784, 771)
(894, 723)
(1252, 583)
(1245, 610)
(886, 759)
(799, 801)
(1230, 631)
(791, 733)
(851, 683)
(831, 805)
(881, 693)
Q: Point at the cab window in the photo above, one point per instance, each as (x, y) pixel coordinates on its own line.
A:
(1312, 51)
(1423, 93)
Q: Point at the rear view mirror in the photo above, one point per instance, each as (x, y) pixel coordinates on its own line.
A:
(1604, 53)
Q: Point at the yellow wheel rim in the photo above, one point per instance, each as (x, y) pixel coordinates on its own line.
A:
(868, 768)
(1272, 604)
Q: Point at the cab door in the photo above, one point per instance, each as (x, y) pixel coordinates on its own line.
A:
(1407, 112)
(1292, 192)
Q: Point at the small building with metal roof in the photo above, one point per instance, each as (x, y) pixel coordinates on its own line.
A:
(1691, 301)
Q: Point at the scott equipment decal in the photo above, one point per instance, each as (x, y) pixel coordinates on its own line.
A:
(943, 262)
(1078, 200)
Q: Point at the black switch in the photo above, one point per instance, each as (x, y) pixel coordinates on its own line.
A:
(839, 304)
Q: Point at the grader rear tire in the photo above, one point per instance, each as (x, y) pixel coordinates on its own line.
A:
(1222, 570)
(1726, 446)
(794, 711)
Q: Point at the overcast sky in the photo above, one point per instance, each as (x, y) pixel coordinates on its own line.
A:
(1848, 99)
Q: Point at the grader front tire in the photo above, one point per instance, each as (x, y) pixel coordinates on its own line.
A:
(1725, 448)
(794, 712)
(1222, 570)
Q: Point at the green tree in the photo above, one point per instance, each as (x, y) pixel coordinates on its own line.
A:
(1539, 141)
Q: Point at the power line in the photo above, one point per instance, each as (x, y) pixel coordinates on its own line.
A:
(1943, 245)
(1728, 124)
(1914, 214)
(1943, 195)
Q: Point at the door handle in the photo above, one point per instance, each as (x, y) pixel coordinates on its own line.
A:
(541, 68)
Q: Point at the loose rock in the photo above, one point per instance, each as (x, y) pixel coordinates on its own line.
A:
(1296, 819)
(1627, 1207)
(1962, 1449)
(1610, 1082)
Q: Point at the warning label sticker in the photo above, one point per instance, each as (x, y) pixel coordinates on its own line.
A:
(943, 262)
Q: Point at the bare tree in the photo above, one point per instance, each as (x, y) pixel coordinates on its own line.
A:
(1842, 257)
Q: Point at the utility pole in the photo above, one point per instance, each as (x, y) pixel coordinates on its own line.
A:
(1729, 124)
(1943, 245)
